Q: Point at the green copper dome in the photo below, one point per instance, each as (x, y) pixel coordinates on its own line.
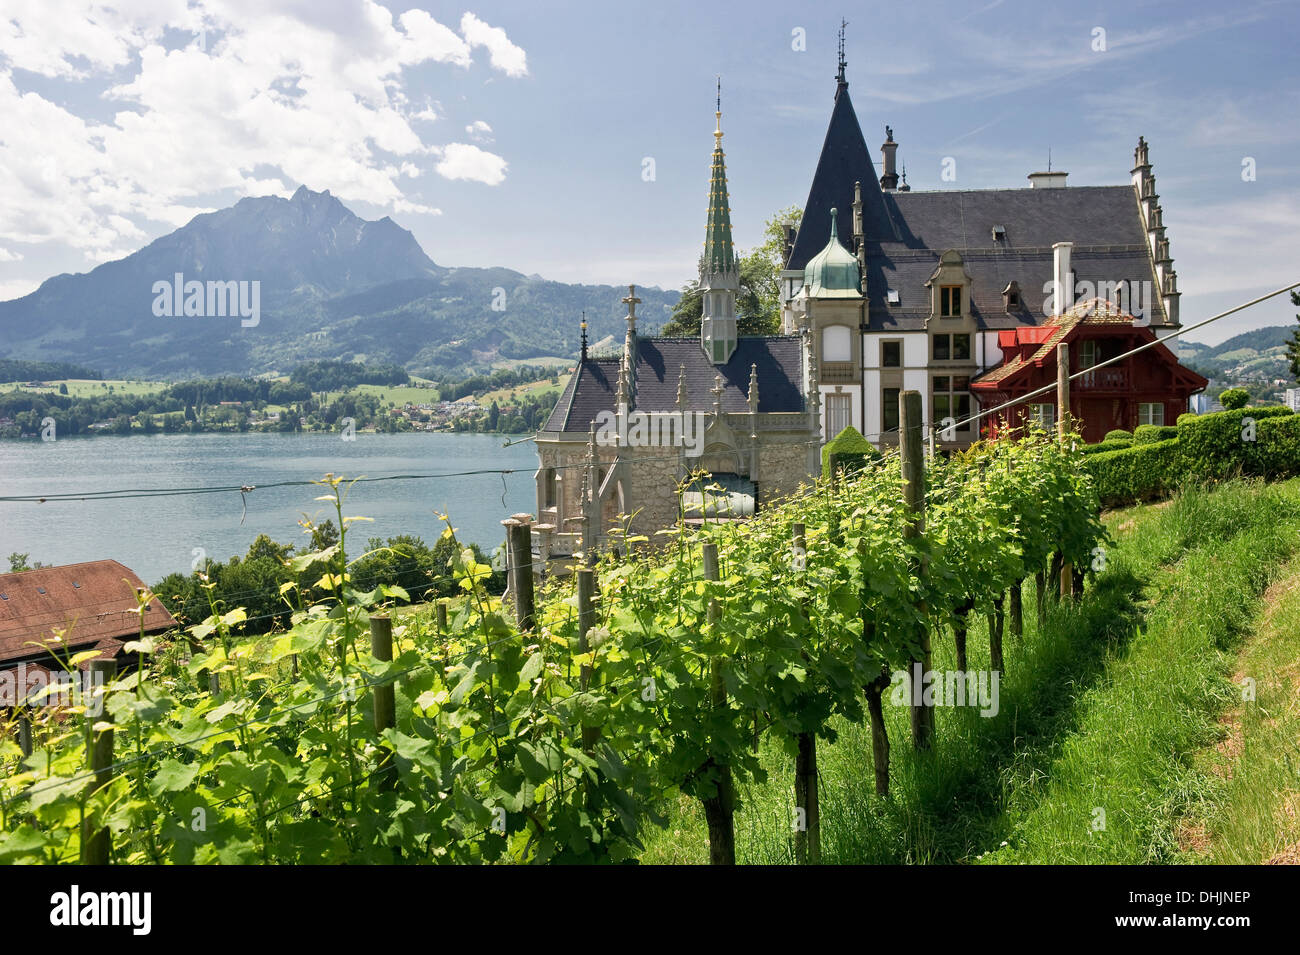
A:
(833, 272)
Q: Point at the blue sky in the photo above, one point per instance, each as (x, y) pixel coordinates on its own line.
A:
(516, 134)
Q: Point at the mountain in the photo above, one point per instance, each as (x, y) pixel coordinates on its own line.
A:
(270, 282)
(1257, 355)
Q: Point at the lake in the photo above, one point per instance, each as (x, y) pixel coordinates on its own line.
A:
(156, 536)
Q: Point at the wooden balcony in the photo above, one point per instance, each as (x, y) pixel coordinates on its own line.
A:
(1111, 379)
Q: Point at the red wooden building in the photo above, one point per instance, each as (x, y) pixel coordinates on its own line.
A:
(50, 614)
(1148, 388)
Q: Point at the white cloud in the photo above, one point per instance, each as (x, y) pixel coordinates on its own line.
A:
(17, 288)
(463, 161)
(7, 256)
(505, 55)
(479, 130)
(276, 94)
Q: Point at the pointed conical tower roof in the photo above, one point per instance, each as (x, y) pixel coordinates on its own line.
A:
(845, 160)
(719, 252)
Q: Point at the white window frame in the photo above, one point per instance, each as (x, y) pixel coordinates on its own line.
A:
(839, 413)
(840, 343)
(1044, 415)
(1149, 411)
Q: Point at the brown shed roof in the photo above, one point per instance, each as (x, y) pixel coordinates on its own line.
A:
(94, 603)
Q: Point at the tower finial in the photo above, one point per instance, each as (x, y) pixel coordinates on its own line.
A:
(584, 335)
(839, 76)
(717, 134)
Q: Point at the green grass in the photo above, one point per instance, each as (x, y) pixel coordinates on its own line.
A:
(1102, 709)
(1251, 812)
(398, 394)
(86, 387)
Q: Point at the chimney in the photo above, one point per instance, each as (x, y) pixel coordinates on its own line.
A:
(888, 151)
(1062, 278)
(1047, 180)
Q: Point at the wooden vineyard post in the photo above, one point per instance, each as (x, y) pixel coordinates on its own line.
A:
(95, 843)
(440, 616)
(383, 695)
(381, 648)
(807, 835)
(586, 620)
(24, 732)
(719, 808)
(1017, 610)
(519, 538)
(996, 623)
(913, 466)
(960, 627)
(1063, 433)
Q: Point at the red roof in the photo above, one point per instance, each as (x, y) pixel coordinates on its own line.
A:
(93, 603)
(1056, 330)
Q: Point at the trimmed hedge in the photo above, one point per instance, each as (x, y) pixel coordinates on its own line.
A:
(1118, 435)
(847, 451)
(1136, 474)
(1151, 433)
(1261, 442)
(1116, 444)
(1217, 445)
(1275, 452)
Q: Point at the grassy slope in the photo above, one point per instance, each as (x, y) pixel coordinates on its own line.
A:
(1101, 709)
(1251, 811)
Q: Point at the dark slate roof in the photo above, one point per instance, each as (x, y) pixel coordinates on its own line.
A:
(844, 160)
(594, 386)
(991, 271)
(907, 231)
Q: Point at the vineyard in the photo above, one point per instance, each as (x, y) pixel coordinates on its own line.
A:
(561, 726)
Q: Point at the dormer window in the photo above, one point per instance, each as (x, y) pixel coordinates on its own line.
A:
(891, 296)
(1011, 297)
(950, 301)
(999, 233)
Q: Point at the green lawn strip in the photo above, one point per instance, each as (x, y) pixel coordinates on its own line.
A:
(1125, 775)
(1251, 811)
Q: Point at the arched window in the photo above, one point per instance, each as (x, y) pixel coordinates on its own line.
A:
(837, 343)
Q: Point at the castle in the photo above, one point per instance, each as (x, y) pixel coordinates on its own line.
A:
(961, 295)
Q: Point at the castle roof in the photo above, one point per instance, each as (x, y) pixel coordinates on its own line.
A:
(905, 233)
(593, 388)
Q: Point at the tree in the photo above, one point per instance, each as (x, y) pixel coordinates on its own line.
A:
(63, 387)
(758, 303)
(1293, 344)
(324, 535)
(18, 563)
(1233, 398)
(267, 548)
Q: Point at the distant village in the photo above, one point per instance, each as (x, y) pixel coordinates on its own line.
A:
(511, 402)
